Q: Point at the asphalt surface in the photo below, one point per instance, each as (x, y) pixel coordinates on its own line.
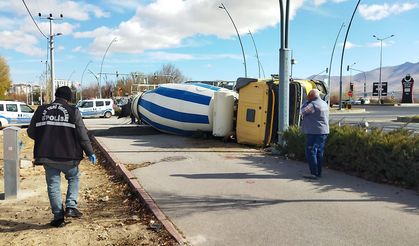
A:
(220, 193)
(380, 116)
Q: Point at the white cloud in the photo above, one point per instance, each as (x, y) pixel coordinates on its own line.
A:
(6, 23)
(167, 23)
(378, 12)
(378, 43)
(64, 27)
(350, 45)
(320, 2)
(169, 56)
(21, 42)
(77, 49)
(21, 25)
(80, 11)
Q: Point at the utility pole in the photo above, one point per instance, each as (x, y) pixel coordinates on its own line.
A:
(51, 52)
(284, 64)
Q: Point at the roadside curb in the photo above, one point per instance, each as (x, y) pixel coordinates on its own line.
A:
(136, 186)
(407, 119)
(346, 111)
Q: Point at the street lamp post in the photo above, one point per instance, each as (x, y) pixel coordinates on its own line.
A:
(96, 77)
(46, 79)
(349, 68)
(329, 82)
(380, 86)
(365, 80)
(257, 54)
(81, 80)
(238, 35)
(101, 65)
(343, 54)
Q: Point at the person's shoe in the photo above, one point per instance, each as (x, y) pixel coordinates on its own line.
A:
(73, 212)
(310, 176)
(57, 222)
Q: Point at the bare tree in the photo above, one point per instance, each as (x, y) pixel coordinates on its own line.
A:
(167, 74)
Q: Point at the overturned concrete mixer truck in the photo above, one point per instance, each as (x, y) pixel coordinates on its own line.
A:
(249, 112)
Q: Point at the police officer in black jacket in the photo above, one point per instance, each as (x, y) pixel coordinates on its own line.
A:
(60, 139)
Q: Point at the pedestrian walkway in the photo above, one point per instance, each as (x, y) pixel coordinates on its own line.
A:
(227, 194)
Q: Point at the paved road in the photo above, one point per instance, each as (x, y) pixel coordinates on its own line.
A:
(227, 194)
(378, 116)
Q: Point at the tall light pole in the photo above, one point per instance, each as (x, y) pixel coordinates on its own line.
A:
(343, 53)
(46, 79)
(69, 77)
(380, 86)
(365, 80)
(238, 35)
(96, 77)
(284, 65)
(81, 80)
(101, 65)
(329, 82)
(51, 47)
(349, 68)
(257, 54)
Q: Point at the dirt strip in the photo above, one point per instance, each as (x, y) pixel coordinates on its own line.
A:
(139, 190)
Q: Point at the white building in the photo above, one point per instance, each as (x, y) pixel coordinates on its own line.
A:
(62, 82)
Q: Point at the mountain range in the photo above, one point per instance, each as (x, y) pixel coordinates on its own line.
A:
(391, 74)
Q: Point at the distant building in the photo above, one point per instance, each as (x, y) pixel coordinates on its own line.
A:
(22, 88)
(62, 82)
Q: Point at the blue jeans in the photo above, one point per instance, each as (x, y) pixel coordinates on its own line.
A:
(53, 178)
(315, 151)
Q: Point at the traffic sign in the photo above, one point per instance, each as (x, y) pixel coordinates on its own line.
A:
(376, 88)
(350, 93)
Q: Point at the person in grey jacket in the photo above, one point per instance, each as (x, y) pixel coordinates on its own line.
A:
(315, 125)
(60, 139)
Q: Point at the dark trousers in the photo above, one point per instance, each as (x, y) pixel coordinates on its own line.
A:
(315, 151)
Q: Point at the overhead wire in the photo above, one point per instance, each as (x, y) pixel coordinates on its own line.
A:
(30, 14)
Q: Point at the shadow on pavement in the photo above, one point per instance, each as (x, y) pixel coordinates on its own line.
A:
(14, 226)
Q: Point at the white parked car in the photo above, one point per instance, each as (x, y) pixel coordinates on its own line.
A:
(365, 100)
(15, 114)
(96, 108)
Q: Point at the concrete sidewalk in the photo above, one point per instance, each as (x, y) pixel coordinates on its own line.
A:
(227, 194)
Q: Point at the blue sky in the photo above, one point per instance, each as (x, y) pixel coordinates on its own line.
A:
(198, 38)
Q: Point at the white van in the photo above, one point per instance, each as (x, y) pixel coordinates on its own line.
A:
(96, 108)
(13, 113)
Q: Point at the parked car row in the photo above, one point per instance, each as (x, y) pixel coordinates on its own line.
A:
(356, 101)
(13, 113)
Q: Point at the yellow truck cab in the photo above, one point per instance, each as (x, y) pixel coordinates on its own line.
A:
(257, 113)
